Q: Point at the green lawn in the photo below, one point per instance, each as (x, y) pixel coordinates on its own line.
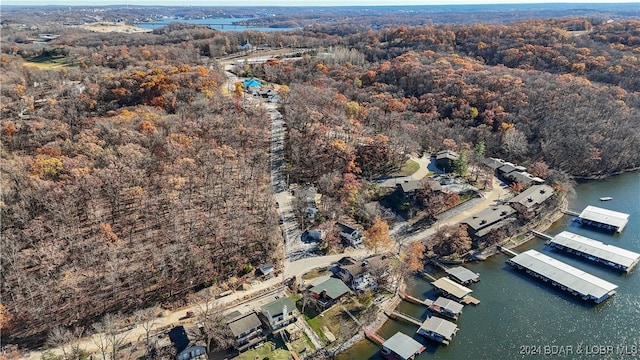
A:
(266, 351)
(408, 168)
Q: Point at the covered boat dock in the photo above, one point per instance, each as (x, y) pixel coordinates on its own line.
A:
(603, 218)
(401, 346)
(564, 276)
(462, 275)
(455, 291)
(594, 250)
(438, 329)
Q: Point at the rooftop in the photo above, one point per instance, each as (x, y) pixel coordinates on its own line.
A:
(275, 307)
(243, 324)
(447, 154)
(596, 248)
(403, 345)
(413, 185)
(536, 194)
(563, 274)
(451, 305)
(463, 274)
(447, 285)
(489, 216)
(604, 216)
(493, 163)
(334, 288)
(440, 326)
(524, 177)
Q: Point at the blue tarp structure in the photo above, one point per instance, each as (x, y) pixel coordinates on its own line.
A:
(253, 82)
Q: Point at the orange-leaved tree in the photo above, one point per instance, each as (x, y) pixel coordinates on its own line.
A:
(377, 237)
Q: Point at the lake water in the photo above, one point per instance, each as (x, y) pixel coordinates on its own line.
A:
(222, 24)
(519, 315)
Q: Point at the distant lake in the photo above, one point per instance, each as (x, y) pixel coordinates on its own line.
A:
(519, 315)
(222, 24)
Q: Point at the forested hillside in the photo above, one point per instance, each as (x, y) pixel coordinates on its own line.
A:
(560, 92)
(128, 179)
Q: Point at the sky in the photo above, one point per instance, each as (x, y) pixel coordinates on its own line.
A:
(294, 2)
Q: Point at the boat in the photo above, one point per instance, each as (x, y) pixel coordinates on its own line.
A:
(606, 198)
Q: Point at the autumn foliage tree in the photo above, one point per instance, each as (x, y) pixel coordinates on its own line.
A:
(377, 236)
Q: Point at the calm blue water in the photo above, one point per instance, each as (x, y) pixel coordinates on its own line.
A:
(519, 315)
(222, 24)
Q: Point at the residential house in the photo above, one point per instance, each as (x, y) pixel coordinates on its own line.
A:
(408, 188)
(310, 200)
(494, 163)
(528, 201)
(246, 330)
(279, 313)
(363, 276)
(350, 234)
(524, 178)
(493, 217)
(329, 292)
(508, 167)
(245, 46)
(445, 160)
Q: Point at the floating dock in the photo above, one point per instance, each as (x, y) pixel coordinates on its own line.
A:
(566, 277)
(446, 307)
(594, 250)
(603, 218)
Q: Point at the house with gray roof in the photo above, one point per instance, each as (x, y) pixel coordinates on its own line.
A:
(493, 217)
(246, 329)
(445, 160)
(529, 200)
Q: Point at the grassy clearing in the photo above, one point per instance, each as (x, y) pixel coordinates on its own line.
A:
(408, 168)
(267, 351)
(339, 323)
(49, 65)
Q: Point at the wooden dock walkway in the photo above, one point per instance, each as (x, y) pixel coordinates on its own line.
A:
(570, 212)
(406, 297)
(371, 335)
(507, 251)
(427, 275)
(398, 315)
(541, 235)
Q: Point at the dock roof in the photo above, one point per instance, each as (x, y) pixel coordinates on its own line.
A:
(596, 248)
(564, 274)
(243, 324)
(605, 216)
(463, 274)
(449, 286)
(451, 305)
(403, 345)
(440, 326)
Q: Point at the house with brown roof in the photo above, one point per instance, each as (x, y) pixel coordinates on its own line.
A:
(246, 330)
(529, 200)
(493, 217)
